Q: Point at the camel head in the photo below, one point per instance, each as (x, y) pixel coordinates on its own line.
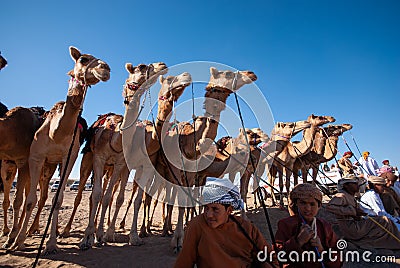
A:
(336, 130)
(141, 78)
(172, 87)
(288, 130)
(3, 62)
(319, 120)
(255, 136)
(88, 69)
(221, 85)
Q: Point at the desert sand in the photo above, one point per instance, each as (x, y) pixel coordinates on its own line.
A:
(156, 251)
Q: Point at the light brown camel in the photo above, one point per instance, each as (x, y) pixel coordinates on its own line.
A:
(172, 88)
(106, 125)
(140, 79)
(328, 137)
(18, 127)
(284, 161)
(187, 142)
(54, 138)
(264, 155)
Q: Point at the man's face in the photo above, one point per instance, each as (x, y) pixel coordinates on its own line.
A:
(365, 156)
(216, 214)
(352, 187)
(308, 208)
(379, 188)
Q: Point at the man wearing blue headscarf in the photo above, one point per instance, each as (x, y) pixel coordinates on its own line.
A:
(216, 238)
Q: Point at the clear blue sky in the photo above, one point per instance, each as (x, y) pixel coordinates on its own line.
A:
(338, 58)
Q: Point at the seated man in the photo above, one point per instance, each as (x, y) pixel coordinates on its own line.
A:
(345, 163)
(371, 202)
(216, 238)
(303, 231)
(390, 198)
(365, 232)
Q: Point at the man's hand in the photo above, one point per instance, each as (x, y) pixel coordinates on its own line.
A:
(305, 234)
(316, 242)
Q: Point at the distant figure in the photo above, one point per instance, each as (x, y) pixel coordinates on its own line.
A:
(368, 164)
(3, 62)
(387, 165)
(326, 168)
(345, 163)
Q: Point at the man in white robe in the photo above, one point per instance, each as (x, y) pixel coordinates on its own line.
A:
(372, 204)
(368, 164)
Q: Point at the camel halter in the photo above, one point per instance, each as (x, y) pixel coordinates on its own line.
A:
(259, 194)
(134, 86)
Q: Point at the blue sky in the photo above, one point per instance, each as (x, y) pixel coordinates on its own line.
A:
(338, 58)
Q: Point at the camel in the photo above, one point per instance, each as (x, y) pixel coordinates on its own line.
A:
(172, 88)
(140, 79)
(53, 140)
(3, 62)
(18, 127)
(106, 126)
(187, 142)
(328, 138)
(284, 161)
(264, 155)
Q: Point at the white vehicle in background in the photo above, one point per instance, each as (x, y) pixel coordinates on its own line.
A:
(55, 186)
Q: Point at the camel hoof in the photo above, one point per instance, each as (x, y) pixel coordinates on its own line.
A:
(122, 226)
(177, 249)
(5, 232)
(65, 234)
(50, 250)
(8, 244)
(87, 242)
(143, 233)
(109, 236)
(136, 241)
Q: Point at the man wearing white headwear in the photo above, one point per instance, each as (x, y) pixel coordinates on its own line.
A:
(365, 232)
(371, 202)
(216, 238)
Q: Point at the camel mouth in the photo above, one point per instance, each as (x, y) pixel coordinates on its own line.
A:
(101, 75)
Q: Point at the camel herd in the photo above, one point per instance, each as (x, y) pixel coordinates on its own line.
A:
(163, 153)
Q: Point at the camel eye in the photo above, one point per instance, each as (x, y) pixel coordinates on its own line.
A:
(83, 60)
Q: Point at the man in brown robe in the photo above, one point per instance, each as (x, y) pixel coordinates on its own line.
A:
(361, 231)
(216, 238)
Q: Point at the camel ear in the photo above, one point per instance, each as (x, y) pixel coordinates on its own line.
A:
(71, 73)
(161, 79)
(213, 71)
(129, 67)
(75, 53)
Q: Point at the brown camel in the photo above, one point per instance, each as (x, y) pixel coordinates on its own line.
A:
(140, 79)
(264, 155)
(328, 137)
(284, 161)
(54, 138)
(187, 142)
(3, 62)
(18, 127)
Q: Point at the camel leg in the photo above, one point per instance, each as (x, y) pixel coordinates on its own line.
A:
(106, 179)
(150, 222)
(116, 186)
(44, 190)
(134, 189)
(88, 239)
(51, 245)
(146, 215)
(177, 239)
(105, 202)
(304, 175)
(8, 172)
(35, 169)
(85, 170)
(134, 238)
(124, 175)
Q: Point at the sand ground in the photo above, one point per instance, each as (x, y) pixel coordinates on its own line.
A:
(156, 251)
